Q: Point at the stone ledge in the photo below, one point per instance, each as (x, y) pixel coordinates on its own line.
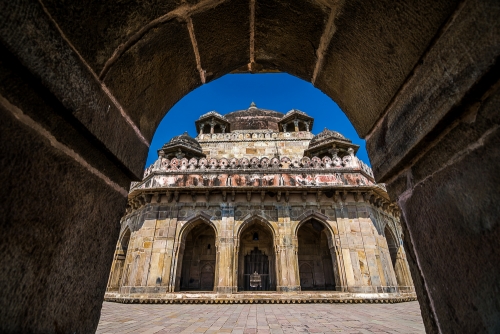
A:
(264, 298)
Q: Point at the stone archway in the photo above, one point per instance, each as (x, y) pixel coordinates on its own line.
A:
(398, 256)
(196, 257)
(256, 255)
(118, 267)
(316, 256)
(418, 80)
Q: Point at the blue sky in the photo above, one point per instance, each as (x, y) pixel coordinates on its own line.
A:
(277, 91)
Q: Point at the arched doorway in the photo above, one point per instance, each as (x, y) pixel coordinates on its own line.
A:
(256, 260)
(118, 267)
(316, 269)
(398, 260)
(392, 244)
(197, 259)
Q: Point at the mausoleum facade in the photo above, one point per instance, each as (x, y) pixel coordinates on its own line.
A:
(257, 208)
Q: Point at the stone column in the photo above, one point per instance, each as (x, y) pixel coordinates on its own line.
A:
(212, 126)
(296, 124)
(202, 125)
(225, 251)
(287, 271)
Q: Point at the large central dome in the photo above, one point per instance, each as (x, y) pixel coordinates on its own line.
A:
(254, 118)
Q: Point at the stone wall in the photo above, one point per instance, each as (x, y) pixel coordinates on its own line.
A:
(358, 252)
(255, 143)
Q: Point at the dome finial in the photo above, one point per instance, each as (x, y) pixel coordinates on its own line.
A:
(252, 105)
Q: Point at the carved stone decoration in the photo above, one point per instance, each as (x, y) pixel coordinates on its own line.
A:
(304, 196)
(223, 163)
(193, 196)
(285, 162)
(169, 196)
(316, 162)
(193, 162)
(203, 163)
(224, 196)
(244, 163)
(147, 198)
(234, 163)
(327, 162)
(287, 196)
(174, 163)
(296, 163)
(336, 197)
(254, 162)
(275, 163)
(347, 161)
(278, 196)
(176, 196)
(249, 196)
(165, 163)
(213, 163)
(158, 197)
(305, 162)
(262, 195)
(366, 196)
(233, 195)
(319, 195)
(343, 196)
(264, 163)
(184, 164)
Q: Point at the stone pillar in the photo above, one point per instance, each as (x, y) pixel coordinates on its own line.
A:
(225, 251)
(225, 262)
(287, 270)
(402, 271)
(202, 125)
(307, 124)
(212, 126)
(287, 273)
(296, 124)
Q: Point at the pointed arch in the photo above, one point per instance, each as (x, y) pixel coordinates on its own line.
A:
(118, 266)
(251, 219)
(323, 258)
(256, 252)
(190, 251)
(194, 221)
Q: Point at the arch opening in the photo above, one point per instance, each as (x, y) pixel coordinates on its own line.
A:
(256, 258)
(118, 267)
(392, 244)
(315, 258)
(197, 259)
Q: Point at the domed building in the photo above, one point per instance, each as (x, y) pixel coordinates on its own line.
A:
(258, 209)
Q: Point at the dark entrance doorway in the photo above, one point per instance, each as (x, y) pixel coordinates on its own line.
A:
(256, 261)
(198, 259)
(256, 275)
(314, 256)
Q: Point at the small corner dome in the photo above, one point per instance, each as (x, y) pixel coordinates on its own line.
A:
(326, 136)
(184, 138)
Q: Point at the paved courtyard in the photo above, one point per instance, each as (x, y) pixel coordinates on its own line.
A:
(261, 318)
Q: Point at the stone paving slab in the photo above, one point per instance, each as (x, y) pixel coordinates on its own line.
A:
(260, 318)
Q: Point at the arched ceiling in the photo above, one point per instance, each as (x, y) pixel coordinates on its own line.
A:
(149, 54)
